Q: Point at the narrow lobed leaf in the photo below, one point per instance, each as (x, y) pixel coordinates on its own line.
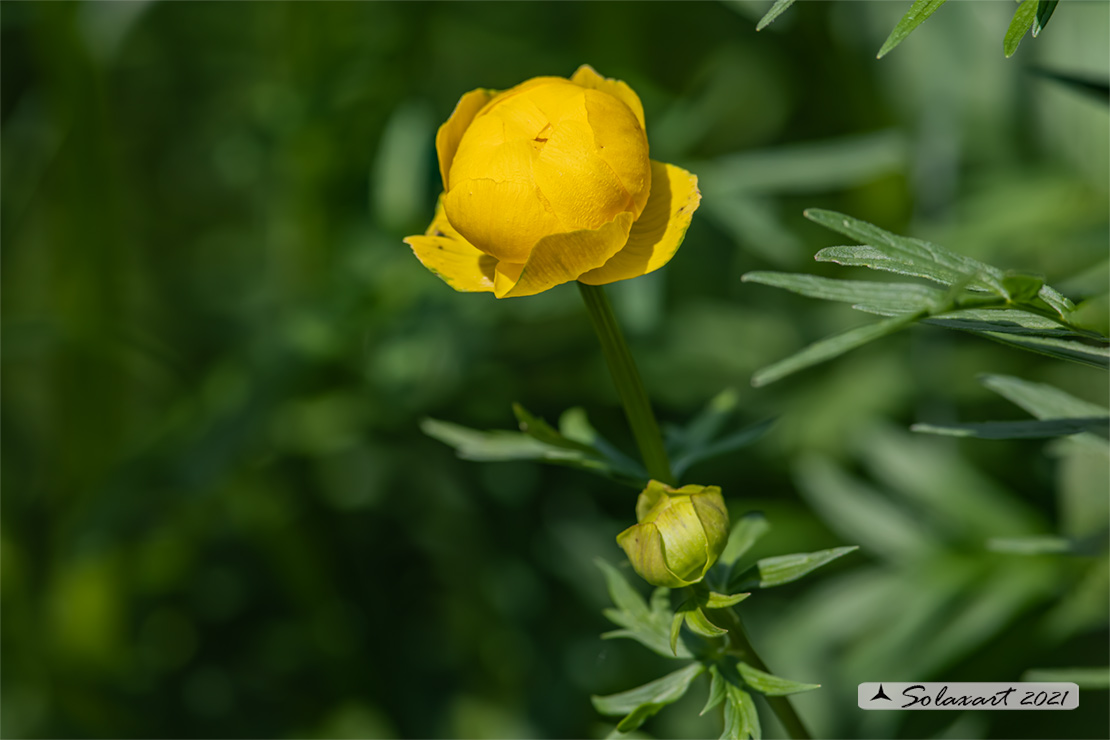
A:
(742, 438)
(1023, 19)
(716, 690)
(1045, 8)
(745, 533)
(783, 569)
(775, 11)
(699, 624)
(830, 347)
(888, 299)
(1042, 400)
(741, 717)
(769, 685)
(918, 12)
(624, 596)
(662, 691)
(539, 429)
(1029, 429)
(724, 601)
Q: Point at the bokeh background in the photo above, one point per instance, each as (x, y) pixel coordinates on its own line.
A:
(220, 518)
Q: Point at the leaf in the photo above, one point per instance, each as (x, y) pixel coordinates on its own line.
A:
(731, 443)
(1023, 19)
(1040, 399)
(769, 685)
(539, 429)
(830, 347)
(775, 11)
(716, 690)
(650, 627)
(918, 12)
(745, 532)
(1084, 678)
(887, 299)
(1097, 88)
(708, 423)
(1021, 286)
(1032, 429)
(1045, 8)
(902, 254)
(1075, 350)
(782, 569)
(640, 703)
(741, 717)
(575, 425)
(723, 601)
(699, 624)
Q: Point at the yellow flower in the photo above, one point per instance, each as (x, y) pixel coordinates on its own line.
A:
(550, 182)
(680, 534)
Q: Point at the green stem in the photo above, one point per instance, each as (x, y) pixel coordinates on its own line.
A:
(741, 645)
(630, 388)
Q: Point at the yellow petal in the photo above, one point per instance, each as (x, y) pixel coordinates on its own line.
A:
(659, 231)
(621, 143)
(451, 132)
(504, 219)
(582, 189)
(458, 263)
(586, 76)
(560, 258)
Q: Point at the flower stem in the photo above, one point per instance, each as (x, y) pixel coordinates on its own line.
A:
(630, 388)
(740, 644)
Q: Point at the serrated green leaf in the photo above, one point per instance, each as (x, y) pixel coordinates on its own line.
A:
(722, 601)
(1030, 429)
(902, 254)
(1084, 678)
(716, 690)
(1024, 16)
(830, 347)
(783, 569)
(1042, 400)
(699, 624)
(1045, 8)
(775, 11)
(769, 685)
(888, 299)
(741, 717)
(745, 532)
(640, 703)
(918, 12)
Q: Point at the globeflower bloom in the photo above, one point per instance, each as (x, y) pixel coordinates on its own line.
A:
(680, 534)
(550, 182)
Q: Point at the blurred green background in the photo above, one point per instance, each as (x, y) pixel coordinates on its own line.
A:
(219, 516)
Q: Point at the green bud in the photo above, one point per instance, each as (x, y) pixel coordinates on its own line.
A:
(680, 534)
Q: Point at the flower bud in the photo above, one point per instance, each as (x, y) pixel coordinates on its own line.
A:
(679, 535)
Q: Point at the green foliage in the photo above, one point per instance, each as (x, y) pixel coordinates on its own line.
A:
(775, 11)
(1012, 308)
(918, 12)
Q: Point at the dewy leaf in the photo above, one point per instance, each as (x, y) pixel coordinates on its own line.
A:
(919, 11)
(716, 690)
(775, 11)
(887, 299)
(830, 347)
(662, 691)
(902, 254)
(1045, 9)
(1030, 429)
(745, 533)
(1023, 19)
(769, 685)
(741, 717)
(784, 569)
